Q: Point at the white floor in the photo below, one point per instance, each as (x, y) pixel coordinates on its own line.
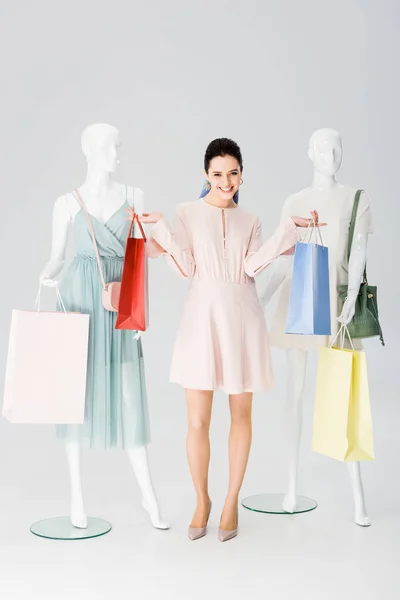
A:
(319, 555)
(157, 72)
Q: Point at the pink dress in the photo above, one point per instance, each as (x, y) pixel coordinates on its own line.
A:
(222, 341)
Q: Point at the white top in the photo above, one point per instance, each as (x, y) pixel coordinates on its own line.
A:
(334, 207)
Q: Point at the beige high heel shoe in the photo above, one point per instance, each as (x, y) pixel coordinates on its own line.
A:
(225, 535)
(195, 533)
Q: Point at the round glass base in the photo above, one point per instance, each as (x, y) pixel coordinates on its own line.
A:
(272, 504)
(60, 528)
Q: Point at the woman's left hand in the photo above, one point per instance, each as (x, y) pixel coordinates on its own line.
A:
(313, 222)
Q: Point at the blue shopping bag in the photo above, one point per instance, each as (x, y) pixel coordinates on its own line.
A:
(309, 306)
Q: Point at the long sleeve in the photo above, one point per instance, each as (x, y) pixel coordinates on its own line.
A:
(261, 255)
(178, 251)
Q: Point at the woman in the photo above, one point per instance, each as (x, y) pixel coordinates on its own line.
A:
(222, 341)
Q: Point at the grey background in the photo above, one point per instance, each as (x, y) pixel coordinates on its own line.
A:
(172, 76)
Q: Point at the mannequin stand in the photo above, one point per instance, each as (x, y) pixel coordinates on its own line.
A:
(272, 504)
(60, 528)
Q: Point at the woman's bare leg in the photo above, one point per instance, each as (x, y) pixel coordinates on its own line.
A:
(199, 407)
(239, 450)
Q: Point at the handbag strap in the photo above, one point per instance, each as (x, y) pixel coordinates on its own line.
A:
(352, 228)
(135, 217)
(89, 220)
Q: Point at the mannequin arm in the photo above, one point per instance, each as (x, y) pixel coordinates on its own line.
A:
(61, 221)
(357, 261)
(277, 272)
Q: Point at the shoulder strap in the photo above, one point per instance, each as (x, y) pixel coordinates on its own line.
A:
(89, 220)
(81, 203)
(352, 227)
(353, 221)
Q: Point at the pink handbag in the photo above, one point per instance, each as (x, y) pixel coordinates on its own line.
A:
(110, 291)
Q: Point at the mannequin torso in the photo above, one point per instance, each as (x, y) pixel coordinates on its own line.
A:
(102, 204)
(334, 203)
(116, 404)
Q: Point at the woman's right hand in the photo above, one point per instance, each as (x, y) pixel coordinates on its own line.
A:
(145, 217)
(150, 217)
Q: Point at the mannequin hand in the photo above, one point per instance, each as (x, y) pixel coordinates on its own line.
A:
(313, 222)
(349, 308)
(48, 282)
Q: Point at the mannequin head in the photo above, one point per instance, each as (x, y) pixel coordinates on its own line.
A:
(100, 144)
(325, 151)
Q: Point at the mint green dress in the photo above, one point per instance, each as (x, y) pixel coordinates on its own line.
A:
(116, 412)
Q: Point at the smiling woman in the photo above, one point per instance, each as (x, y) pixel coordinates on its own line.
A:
(228, 150)
(222, 341)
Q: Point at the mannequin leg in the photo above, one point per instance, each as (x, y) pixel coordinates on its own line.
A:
(360, 511)
(77, 514)
(297, 363)
(140, 463)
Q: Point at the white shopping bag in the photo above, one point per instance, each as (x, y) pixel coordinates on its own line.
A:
(46, 367)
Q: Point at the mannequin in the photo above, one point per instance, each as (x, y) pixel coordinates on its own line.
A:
(334, 203)
(103, 198)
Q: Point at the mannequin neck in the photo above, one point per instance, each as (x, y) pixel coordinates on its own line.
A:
(98, 182)
(322, 181)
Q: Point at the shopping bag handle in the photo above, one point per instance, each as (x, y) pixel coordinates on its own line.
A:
(136, 218)
(342, 333)
(311, 230)
(58, 294)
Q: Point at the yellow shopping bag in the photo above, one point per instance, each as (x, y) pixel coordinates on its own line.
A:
(342, 415)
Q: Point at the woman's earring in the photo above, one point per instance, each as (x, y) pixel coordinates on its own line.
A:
(208, 185)
(241, 182)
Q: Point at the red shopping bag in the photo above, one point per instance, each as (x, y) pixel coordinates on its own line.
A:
(133, 301)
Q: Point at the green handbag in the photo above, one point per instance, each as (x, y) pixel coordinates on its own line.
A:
(365, 322)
